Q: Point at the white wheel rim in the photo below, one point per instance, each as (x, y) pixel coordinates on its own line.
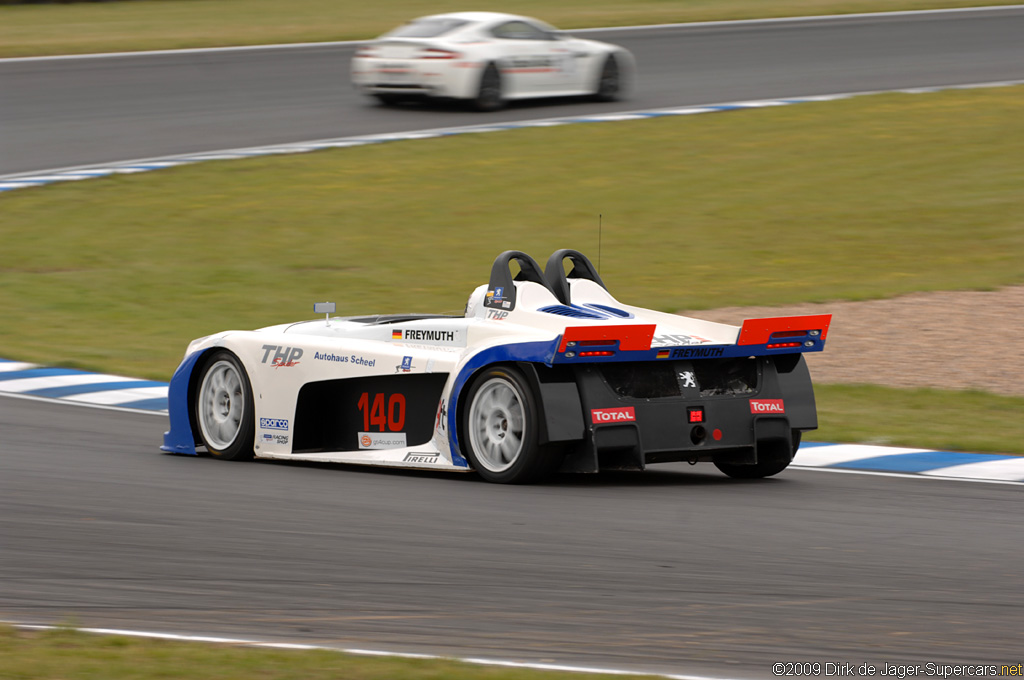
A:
(221, 405)
(496, 425)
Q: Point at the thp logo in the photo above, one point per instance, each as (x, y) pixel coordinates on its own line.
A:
(282, 356)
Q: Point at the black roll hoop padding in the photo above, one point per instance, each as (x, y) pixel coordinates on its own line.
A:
(501, 292)
(557, 278)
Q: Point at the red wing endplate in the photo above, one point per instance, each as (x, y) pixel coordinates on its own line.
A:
(784, 329)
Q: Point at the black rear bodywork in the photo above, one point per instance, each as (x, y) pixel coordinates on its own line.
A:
(662, 395)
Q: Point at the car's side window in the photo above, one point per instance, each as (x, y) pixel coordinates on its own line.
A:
(519, 30)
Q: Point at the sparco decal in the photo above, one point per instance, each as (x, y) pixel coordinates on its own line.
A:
(767, 406)
(282, 356)
(613, 415)
(273, 424)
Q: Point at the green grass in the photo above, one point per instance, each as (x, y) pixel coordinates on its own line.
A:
(863, 198)
(921, 418)
(68, 654)
(169, 24)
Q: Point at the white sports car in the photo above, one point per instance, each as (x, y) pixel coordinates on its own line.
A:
(545, 371)
(487, 58)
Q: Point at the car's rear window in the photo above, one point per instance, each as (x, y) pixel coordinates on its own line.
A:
(426, 28)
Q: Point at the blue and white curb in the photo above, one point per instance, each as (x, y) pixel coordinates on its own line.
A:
(82, 387)
(926, 462)
(23, 181)
(117, 392)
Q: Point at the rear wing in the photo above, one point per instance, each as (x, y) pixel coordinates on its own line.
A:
(627, 342)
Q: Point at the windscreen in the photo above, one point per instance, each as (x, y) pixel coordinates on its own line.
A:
(425, 28)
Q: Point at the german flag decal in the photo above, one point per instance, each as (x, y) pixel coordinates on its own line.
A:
(663, 353)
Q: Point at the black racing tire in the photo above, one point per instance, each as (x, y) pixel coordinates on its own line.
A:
(499, 429)
(772, 460)
(224, 409)
(489, 96)
(609, 83)
(388, 99)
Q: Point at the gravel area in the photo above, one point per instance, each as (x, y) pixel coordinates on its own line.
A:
(961, 340)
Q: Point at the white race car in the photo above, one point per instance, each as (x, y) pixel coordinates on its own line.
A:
(545, 371)
(487, 58)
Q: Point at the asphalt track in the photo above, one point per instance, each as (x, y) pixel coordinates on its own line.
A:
(61, 113)
(676, 570)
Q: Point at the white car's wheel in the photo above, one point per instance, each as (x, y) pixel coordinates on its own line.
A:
(224, 408)
(609, 84)
(500, 428)
(489, 96)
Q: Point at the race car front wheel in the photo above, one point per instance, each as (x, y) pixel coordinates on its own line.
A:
(609, 84)
(224, 408)
(499, 427)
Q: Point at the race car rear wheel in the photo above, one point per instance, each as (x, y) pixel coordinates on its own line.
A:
(224, 408)
(773, 458)
(609, 84)
(489, 96)
(499, 427)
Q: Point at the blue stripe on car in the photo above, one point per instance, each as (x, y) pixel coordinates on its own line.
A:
(179, 438)
(534, 352)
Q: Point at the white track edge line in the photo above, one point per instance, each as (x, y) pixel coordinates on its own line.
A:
(902, 475)
(691, 24)
(364, 652)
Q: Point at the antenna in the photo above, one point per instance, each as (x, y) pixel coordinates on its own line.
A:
(599, 224)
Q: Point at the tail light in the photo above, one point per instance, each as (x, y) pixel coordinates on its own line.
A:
(435, 53)
(365, 52)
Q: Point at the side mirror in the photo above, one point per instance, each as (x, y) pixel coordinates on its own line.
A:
(324, 307)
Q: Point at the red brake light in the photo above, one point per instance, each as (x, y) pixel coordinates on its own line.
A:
(597, 354)
(696, 414)
(434, 53)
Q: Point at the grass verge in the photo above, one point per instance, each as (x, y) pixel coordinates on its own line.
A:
(170, 24)
(69, 654)
(869, 197)
(920, 418)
